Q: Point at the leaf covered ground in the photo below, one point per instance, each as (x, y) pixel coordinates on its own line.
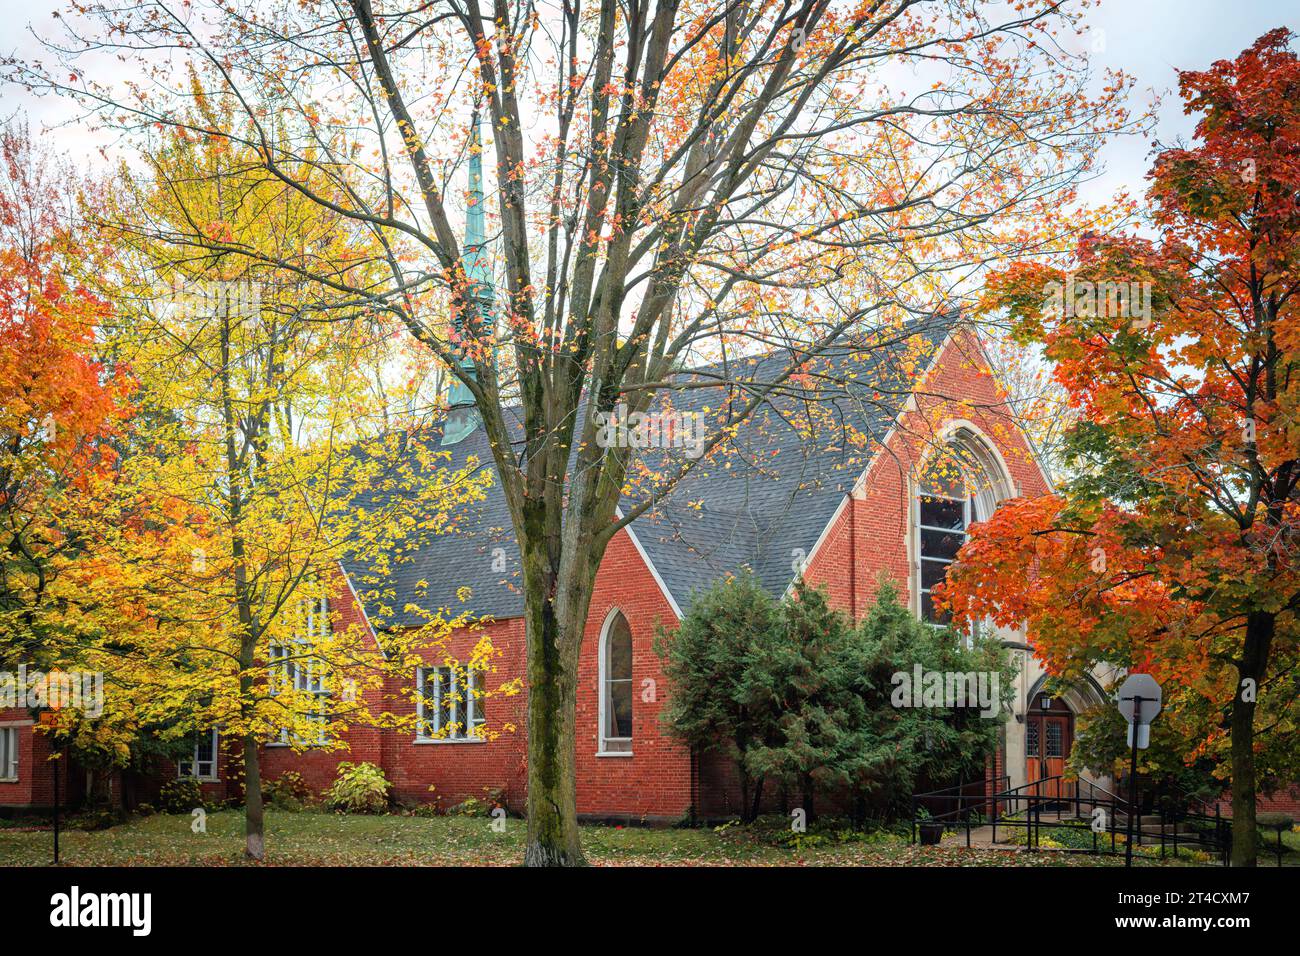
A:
(321, 839)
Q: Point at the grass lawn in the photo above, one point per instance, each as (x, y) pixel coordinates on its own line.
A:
(330, 840)
(1268, 849)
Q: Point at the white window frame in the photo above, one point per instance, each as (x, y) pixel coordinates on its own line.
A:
(622, 746)
(10, 738)
(194, 764)
(303, 673)
(450, 676)
(429, 730)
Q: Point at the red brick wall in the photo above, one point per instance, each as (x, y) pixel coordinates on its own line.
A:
(1282, 801)
(461, 769)
(655, 782)
(870, 535)
(35, 784)
(363, 743)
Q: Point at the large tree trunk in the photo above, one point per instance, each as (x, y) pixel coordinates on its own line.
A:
(555, 609)
(1254, 659)
(553, 838)
(249, 629)
(254, 840)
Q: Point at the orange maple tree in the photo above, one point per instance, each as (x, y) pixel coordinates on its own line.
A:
(58, 404)
(1172, 548)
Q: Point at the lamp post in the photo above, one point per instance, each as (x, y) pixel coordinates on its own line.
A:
(50, 718)
(56, 809)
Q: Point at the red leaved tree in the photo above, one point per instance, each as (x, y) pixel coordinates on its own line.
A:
(1172, 548)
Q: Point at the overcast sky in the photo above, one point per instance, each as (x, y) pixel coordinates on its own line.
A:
(1152, 40)
(1149, 39)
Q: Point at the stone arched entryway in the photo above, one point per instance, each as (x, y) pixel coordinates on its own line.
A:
(1049, 729)
(1049, 735)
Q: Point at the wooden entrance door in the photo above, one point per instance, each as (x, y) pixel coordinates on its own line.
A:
(1049, 734)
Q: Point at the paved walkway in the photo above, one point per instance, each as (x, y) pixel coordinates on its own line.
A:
(982, 837)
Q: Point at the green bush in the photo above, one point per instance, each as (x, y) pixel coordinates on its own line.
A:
(802, 701)
(774, 830)
(470, 807)
(493, 797)
(1073, 838)
(360, 788)
(180, 796)
(289, 792)
(100, 818)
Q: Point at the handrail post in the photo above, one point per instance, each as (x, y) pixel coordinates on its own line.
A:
(994, 815)
(1218, 836)
(1114, 821)
(1038, 818)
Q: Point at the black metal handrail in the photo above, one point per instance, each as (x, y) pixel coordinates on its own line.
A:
(1199, 830)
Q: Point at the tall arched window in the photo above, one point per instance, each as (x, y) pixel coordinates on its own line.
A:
(962, 483)
(616, 686)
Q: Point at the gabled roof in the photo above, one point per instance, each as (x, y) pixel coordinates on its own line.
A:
(762, 503)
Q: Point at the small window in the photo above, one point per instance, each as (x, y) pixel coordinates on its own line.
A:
(1054, 748)
(9, 753)
(449, 703)
(1031, 738)
(616, 687)
(202, 761)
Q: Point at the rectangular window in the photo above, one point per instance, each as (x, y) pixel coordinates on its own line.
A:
(294, 668)
(449, 703)
(1054, 748)
(202, 762)
(9, 737)
(942, 524)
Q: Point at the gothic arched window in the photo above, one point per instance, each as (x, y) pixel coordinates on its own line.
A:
(616, 686)
(961, 484)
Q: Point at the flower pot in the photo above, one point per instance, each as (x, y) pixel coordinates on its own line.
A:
(931, 833)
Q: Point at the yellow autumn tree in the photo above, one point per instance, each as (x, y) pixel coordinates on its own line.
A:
(259, 457)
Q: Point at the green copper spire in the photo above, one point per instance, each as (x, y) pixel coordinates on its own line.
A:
(462, 416)
(476, 263)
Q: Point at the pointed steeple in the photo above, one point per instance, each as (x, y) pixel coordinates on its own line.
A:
(476, 262)
(476, 315)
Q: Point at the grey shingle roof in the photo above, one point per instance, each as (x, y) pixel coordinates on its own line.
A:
(760, 503)
(432, 569)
